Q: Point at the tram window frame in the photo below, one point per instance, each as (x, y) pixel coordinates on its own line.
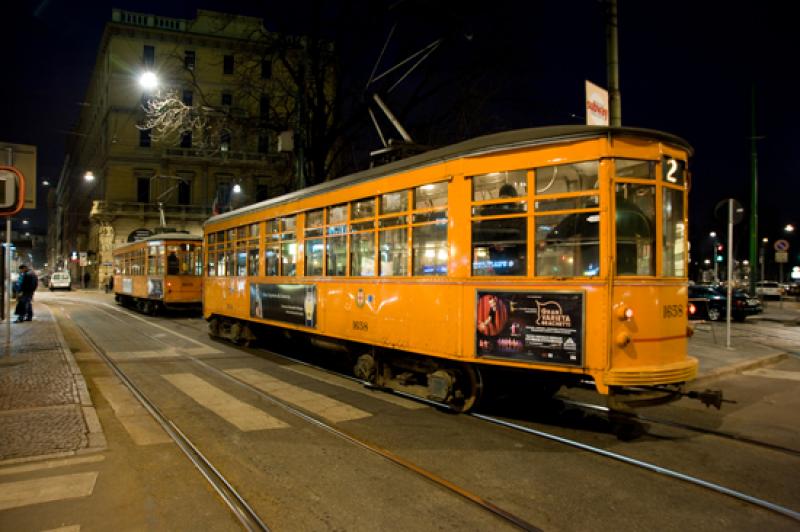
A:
(314, 236)
(499, 203)
(673, 237)
(394, 233)
(644, 266)
(430, 230)
(361, 237)
(568, 195)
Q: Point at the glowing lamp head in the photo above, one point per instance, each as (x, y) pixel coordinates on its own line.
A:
(237, 188)
(148, 81)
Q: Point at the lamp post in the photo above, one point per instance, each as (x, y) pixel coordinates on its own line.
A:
(762, 256)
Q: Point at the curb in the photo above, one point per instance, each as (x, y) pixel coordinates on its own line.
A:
(738, 368)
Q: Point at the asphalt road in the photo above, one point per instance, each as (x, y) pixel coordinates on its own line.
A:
(301, 476)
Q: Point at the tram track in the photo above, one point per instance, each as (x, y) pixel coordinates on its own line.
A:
(693, 428)
(662, 471)
(237, 504)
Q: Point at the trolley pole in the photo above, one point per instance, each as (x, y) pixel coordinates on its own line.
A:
(753, 192)
(612, 64)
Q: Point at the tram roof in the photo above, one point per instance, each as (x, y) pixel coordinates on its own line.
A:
(496, 142)
(162, 236)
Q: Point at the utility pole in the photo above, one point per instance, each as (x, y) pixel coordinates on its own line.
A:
(612, 64)
(753, 189)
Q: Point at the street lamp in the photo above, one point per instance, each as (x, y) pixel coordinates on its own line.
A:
(237, 188)
(88, 176)
(762, 255)
(148, 80)
(789, 228)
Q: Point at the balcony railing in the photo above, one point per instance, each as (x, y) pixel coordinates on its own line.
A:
(129, 208)
(241, 156)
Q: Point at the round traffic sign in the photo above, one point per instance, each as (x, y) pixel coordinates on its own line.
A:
(781, 245)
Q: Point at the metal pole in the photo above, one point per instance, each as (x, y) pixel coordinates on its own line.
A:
(612, 64)
(730, 272)
(753, 189)
(7, 268)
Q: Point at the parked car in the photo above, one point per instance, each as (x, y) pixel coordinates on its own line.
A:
(710, 303)
(769, 289)
(60, 280)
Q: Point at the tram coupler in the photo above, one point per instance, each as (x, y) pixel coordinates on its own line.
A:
(708, 397)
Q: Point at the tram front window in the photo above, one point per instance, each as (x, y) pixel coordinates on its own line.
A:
(568, 245)
(674, 234)
(635, 223)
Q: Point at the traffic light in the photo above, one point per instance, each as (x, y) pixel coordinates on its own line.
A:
(719, 247)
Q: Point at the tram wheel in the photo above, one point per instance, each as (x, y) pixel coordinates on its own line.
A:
(213, 328)
(460, 388)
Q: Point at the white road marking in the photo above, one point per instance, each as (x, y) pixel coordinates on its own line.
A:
(774, 374)
(240, 414)
(328, 408)
(47, 489)
(139, 355)
(355, 387)
(70, 528)
(52, 464)
(141, 427)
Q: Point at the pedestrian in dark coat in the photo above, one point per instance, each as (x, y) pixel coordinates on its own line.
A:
(27, 283)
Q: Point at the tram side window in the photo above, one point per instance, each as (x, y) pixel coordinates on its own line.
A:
(152, 260)
(394, 252)
(499, 247)
(674, 234)
(314, 242)
(241, 259)
(510, 187)
(362, 254)
(566, 178)
(568, 245)
(430, 249)
(272, 249)
(288, 260)
(635, 229)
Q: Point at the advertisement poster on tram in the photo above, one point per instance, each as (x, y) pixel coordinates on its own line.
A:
(544, 327)
(289, 303)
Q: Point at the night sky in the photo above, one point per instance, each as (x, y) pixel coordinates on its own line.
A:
(686, 67)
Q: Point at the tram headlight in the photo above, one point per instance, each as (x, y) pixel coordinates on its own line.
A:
(624, 313)
(623, 339)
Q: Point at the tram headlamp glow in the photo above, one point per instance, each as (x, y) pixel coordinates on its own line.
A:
(623, 340)
(624, 313)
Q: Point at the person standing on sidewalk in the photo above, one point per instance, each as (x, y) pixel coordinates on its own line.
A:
(27, 285)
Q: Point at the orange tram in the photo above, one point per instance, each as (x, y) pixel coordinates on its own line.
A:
(547, 257)
(164, 271)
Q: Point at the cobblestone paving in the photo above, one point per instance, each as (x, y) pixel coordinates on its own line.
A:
(40, 410)
(46, 431)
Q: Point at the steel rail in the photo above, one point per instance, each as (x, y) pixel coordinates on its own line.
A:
(243, 512)
(645, 465)
(694, 428)
(346, 436)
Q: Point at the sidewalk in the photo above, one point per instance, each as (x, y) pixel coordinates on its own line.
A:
(708, 344)
(45, 408)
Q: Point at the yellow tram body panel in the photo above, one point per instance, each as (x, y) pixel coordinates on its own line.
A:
(628, 307)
